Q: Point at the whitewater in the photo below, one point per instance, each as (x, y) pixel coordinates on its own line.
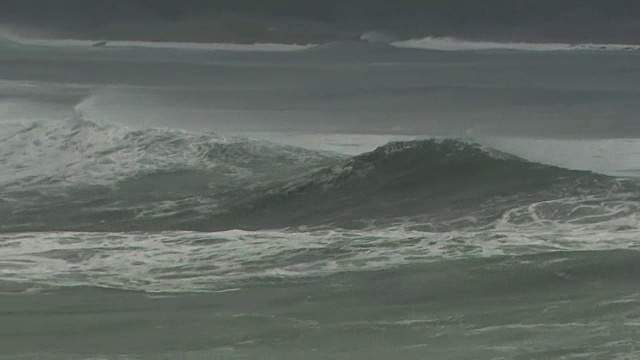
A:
(431, 198)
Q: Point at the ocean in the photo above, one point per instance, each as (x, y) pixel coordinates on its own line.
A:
(428, 199)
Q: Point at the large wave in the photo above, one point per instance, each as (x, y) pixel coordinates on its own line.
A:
(77, 175)
(95, 205)
(436, 182)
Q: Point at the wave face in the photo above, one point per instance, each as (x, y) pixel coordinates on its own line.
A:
(79, 176)
(427, 182)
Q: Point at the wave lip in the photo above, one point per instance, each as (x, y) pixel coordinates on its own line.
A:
(454, 44)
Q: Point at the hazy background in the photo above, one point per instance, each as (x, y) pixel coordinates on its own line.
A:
(305, 21)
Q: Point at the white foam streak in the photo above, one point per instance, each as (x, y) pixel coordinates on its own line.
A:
(166, 45)
(453, 44)
(191, 261)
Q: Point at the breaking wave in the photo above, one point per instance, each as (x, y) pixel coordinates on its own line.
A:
(55, 174)
(161, 210)
(80, 176)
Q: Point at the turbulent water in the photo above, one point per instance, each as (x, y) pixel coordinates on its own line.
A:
(131, 229)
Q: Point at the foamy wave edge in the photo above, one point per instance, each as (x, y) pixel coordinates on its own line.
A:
(455, 44)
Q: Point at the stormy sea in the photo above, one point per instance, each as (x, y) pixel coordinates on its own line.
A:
(422, 199)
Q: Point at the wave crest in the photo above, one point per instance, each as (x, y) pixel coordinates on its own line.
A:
(427, 181)
(427, 160)
(80, 152)
(82, 176)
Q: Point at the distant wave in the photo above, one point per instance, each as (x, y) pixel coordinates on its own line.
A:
(427, 43)
(7, 42)
(257, 47)
(352, 46)
(453, 44)
(8, 38)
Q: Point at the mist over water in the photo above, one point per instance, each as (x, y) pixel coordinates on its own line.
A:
(432, 197)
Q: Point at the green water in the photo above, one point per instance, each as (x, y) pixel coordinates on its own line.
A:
(556, 305)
